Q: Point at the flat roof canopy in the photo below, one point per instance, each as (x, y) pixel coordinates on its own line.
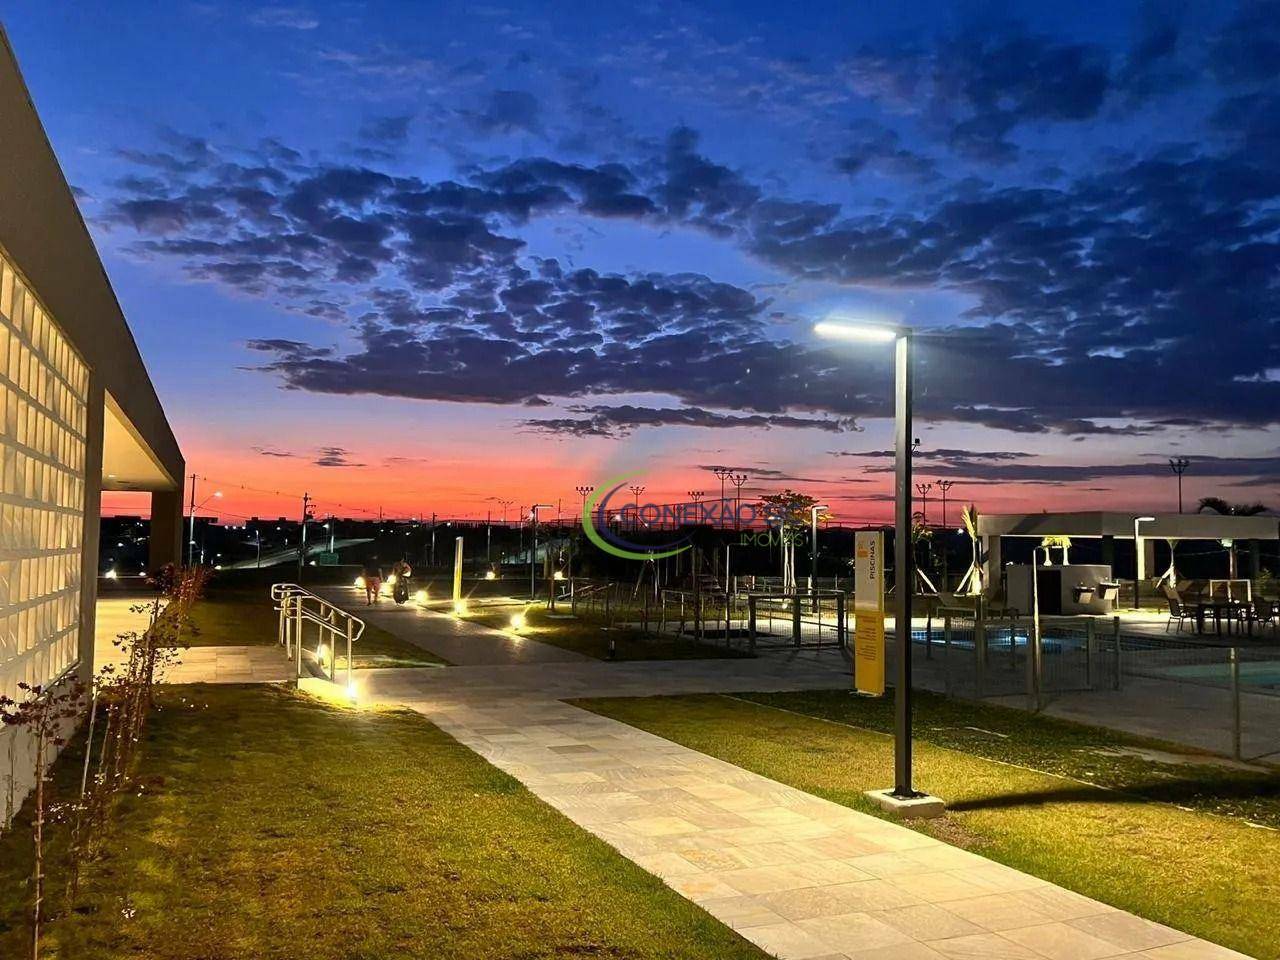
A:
(1170, 526)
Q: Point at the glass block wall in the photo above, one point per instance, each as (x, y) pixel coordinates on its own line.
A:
(43, 418)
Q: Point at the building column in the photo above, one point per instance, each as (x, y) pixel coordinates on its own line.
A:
(1109, 553)
(92, 525)
(165, 543)
(1148, 558)
(994, 564)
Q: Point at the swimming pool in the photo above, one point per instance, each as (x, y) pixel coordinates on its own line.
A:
(1264, 674)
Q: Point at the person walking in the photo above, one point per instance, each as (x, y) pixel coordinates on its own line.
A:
(372, 581)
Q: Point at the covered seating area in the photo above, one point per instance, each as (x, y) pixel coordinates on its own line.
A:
(1229, 592)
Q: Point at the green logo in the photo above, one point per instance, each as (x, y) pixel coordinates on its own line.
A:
(608, 540)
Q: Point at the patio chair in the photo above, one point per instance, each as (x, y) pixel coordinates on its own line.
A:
(1179, 613)
(1262, 612)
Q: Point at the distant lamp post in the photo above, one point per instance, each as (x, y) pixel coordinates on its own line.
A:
(816, 509)
(901, 338)
(696, 496)
(533, 550)
(737, 479)
(583, 491)
(636, 490)
(1140, 565)
(1179, 466)
(945, 486)
(724, 473)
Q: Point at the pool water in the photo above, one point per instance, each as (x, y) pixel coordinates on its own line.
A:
(1265, 674)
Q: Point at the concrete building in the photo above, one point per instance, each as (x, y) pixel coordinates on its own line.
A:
(1144, 531)
(78, 415)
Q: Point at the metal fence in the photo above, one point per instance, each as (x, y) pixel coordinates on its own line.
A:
(1220, 697)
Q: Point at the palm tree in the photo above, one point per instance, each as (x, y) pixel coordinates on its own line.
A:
(1218, 505)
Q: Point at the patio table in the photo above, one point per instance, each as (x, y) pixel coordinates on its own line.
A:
(1216, 608)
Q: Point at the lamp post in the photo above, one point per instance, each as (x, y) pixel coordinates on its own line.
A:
(724, 473)
(533, 550)
(636, 490)
(1140, 564)
(696, 496)
(583, 491)
(813, 550)
(944, 486)
(901, 338)
(1179, 466)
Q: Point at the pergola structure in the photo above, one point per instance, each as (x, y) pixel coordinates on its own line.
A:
(1109, 527)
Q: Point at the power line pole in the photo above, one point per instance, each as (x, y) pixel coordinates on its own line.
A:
(302, 545)
(191, 523)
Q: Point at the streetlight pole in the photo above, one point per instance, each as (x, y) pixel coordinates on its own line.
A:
(583, 491)
(696, 496)
(737, 479)
(724, 473)
(1179, 466)
(636, 490)
(533, 551)
(944, 486)
(905, 575)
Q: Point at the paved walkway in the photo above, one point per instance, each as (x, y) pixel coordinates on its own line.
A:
(799, 876)
(246, 664)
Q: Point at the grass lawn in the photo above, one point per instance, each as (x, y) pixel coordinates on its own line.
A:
(270, 825)
(1094, 823)
(586, 633)
(235, 616)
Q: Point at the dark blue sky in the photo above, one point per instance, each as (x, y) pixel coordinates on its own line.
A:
(599, 235)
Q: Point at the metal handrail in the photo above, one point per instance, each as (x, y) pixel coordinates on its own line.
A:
(296, 606)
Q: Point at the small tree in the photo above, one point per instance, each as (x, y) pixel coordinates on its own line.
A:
(791, 511)
(47, 715)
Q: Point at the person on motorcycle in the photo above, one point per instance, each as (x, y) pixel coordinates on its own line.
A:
(401, 572)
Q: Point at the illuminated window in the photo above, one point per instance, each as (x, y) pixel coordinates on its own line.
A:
(43, 417)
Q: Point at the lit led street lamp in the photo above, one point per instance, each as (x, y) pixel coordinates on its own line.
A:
(858, 332)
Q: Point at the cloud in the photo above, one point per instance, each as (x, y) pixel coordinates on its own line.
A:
(289, 18)
(1090, 300)
(335, 457)
(507, 112)
(620, 421)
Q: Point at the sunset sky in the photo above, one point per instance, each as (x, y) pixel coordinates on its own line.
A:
(419, 256)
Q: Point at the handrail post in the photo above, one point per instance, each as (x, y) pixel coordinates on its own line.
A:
(297, 639)
(1236, 750)
(351, 626)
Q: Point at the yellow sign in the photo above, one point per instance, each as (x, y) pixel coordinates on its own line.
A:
(868, 607)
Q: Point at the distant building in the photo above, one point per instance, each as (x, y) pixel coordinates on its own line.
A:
(78, 415)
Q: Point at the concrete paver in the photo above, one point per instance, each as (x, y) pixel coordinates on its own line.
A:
(800, 876)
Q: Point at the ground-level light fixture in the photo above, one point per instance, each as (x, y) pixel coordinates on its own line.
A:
(460, 608)
(359, 582)
(490, 575)
(517, 621)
